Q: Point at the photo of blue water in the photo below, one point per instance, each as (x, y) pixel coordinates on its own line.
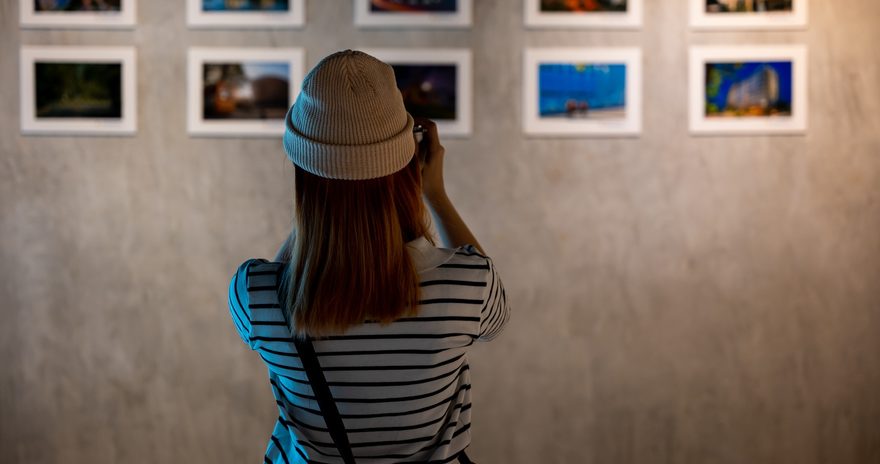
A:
(596, 90)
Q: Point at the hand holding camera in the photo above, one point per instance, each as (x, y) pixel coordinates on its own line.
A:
(430, 154)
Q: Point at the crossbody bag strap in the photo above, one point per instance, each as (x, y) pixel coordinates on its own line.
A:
(325, 400)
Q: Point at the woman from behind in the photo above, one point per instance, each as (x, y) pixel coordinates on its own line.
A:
(363, 323)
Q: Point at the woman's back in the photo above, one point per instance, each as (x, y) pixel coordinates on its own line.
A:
(358, 303)
(402, 389)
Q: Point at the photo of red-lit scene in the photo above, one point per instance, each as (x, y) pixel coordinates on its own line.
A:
(246, 90)
(575, 6)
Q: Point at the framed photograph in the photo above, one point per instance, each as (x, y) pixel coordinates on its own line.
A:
(413, 13)
(77, 13)
(748, 90)
(78, 90)
(748, 14)
(591, 14)
(245, 13)
(436, 84)
(583, 92)
(242, 91)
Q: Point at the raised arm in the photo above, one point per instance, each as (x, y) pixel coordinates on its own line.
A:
(453, 231)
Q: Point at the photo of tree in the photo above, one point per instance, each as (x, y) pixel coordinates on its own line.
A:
(78, 90)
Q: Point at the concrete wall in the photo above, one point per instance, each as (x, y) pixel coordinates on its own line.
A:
(677, 299)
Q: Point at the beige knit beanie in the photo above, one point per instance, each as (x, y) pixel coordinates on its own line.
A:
(349, 122)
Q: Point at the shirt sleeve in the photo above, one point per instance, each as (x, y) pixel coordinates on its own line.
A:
(239, 303)
(495, 312)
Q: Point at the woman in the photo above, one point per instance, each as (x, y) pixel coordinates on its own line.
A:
(363, 323)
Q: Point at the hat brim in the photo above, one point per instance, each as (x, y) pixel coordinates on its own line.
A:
(351, 162)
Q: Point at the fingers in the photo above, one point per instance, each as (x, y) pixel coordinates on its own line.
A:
(432, 160)
(430, 145)
(431, 138)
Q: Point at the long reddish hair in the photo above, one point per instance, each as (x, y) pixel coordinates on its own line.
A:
(348, 258)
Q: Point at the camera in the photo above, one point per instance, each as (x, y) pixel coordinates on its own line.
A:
(419, 132)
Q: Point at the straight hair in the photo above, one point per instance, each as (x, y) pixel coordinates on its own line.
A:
(348, 260)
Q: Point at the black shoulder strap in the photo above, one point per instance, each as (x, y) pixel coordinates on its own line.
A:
(325, 399)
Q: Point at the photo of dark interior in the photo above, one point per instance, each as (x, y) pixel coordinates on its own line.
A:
(246, 90)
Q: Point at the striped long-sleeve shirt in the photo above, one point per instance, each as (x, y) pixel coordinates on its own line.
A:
(403, 389)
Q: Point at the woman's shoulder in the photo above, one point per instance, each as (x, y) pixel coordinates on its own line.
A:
(463, 258)
(428, 257)
(467, 259)
(258, 270)
(261, 265)
(254, 302)
(470, 251)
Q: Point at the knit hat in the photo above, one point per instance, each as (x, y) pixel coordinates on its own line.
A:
(349, 122)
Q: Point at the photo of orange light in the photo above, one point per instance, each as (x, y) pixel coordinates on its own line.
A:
(586, 6)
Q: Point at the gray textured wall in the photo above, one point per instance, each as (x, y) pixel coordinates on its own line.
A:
(677, 300)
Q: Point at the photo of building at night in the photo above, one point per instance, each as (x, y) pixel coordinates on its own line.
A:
(749, 89)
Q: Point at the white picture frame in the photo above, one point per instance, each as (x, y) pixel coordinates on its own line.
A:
(579, 123)
(793, 123)
(704, 20)
(294, 17)
(364, 17)
(34, 124)
(197, 57)
(631, 19)
(29, 17)
(461, 58)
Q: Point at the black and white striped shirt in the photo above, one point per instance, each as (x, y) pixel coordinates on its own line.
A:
(403, 389)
